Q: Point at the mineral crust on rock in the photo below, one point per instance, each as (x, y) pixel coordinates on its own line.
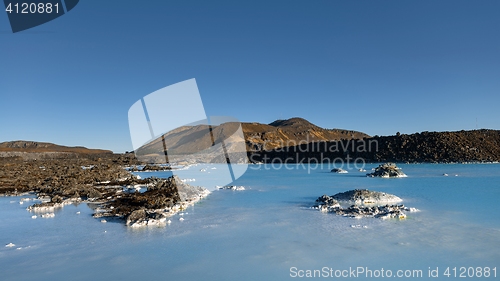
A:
(363, 203)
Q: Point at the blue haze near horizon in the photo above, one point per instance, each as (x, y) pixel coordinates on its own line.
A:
(375, 67)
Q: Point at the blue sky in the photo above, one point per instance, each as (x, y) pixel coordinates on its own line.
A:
(375, 66)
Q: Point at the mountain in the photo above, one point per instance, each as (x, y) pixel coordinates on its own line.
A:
(290, 132)
(256, 136)
(44, 147)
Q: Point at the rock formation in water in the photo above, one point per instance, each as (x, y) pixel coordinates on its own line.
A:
(365, 196)
(162, 199)
(363, 203)
(387, 170)
(231, 187)
(339, 171)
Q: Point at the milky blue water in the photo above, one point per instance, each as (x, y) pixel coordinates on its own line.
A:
(264, 231)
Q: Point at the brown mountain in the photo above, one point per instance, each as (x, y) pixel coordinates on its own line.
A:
(291, 132)
(257, 136)
(44, 147)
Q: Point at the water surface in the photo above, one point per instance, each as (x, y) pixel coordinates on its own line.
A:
(260, 233)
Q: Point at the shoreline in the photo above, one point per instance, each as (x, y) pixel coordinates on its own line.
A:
(103, 182)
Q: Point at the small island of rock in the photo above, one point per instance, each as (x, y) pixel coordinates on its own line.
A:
(387, 170)
(339, 171)
(365, 196)
(363, 203)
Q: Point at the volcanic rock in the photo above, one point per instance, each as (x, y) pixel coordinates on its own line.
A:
(359, 198)
(387, 170)
(339, 171)
(365, 196)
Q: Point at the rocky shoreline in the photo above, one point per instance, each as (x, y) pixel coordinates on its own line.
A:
(150, 168)
(476, 146)
(162, 199)
(100, 181)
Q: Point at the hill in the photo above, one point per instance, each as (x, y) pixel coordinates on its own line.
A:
(289, 132)
(30, 149)
(280, 133)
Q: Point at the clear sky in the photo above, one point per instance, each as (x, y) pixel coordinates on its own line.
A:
(374, 66)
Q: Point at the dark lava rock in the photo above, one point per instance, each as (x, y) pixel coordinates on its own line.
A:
(162, 199)
(56, 199)
(387, 170)
(327, 200)
(443, 147)
(151, 168)
(339, 171)
(137, 215)
(98, 180)
(365, 196)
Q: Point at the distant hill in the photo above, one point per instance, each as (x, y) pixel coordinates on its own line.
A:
(21, 146)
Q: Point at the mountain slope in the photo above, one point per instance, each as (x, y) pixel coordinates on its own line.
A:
(257, 136)
(44, 147)
(290, 132)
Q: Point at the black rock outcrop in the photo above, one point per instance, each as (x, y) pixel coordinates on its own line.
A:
(432, 147)
(387, 170)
